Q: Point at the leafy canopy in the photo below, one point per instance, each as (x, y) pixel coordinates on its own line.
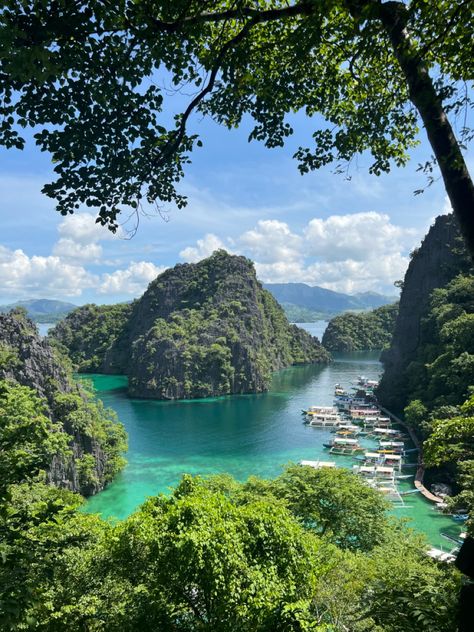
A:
(85, 75)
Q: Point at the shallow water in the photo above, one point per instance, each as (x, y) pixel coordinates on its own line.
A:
(243, 435)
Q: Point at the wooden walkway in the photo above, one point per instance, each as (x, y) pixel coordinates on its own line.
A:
(420, 472)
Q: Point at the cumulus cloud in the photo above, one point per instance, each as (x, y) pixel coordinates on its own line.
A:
(131, 281)
(346, 253)
(77, 252)
(79, 237)
(83, 229)
(204, 248)
(357, 237)
(21, 275)
(271, 241)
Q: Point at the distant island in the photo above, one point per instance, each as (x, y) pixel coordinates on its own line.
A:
(42, 310)
(366, 331)
(200, 330)
(306, 303)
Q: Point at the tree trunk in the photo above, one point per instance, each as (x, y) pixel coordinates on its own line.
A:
(423, 95)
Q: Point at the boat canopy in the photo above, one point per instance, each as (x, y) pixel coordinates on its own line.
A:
(345, 441)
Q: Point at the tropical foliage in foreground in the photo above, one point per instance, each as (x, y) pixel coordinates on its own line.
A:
(361, 332)
(309, 550)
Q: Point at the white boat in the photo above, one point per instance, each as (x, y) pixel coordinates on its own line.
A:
(323, 420)
(344, 445)
(317, 465)
(391, 447)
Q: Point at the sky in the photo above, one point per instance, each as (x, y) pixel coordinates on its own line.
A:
(346, 234)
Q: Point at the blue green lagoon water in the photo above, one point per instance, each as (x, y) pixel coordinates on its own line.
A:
(243, 435)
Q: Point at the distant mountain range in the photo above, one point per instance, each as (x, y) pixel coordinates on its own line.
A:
(42, 310)
(304, 302)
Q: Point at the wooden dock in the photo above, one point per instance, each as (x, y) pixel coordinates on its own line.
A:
(420, 472)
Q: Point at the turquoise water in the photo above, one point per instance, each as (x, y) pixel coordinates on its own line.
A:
(242, 435)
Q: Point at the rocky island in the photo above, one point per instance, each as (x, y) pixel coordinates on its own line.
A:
(365, 331)
(200, 330)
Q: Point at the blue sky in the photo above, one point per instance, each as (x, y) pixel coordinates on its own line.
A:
(319, 228)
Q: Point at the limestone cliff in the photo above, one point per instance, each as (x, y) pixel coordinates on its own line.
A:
(96, 441)
(203, 330)
(440, 258)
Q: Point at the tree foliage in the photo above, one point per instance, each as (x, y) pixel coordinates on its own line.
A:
(443, 369)
(84, 76)
(361, 332)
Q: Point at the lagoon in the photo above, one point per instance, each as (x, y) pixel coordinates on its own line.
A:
(243, 435)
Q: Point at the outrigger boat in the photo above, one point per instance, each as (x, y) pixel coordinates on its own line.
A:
(374, 422)
(387, 433)
(323, 420)
(375, 458)
(362, 413)
(391, 447)
(318, 410)
(344, 445)
(347, 429)
(317, 465)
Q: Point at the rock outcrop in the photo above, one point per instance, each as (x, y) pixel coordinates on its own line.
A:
(203, 330)
(441, 257)
(366, 331)
(96, 441)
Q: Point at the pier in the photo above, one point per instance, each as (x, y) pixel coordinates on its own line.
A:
(420, 472)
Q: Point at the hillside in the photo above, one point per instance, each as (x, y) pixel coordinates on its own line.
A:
(94, 440)
(422, 328)
(200, 330)
(302, 301)
(361, 332)
(42, 310)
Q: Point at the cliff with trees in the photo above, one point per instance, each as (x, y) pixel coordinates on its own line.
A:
(38, 396)
(200, 330)
(429, 367)
(364, 331)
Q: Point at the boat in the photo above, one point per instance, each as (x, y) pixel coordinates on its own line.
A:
(317, 465)
(323, 420)
(362, 413)
(387, 433)
(344, 445)
(347, 430)
(391, 447)
(318, 410)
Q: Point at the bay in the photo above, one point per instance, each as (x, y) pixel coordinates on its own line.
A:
(242, 435)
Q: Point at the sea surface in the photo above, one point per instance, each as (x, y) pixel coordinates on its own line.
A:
(243, 435)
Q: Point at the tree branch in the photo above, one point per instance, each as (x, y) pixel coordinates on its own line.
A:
(179, 134)
(306, 7)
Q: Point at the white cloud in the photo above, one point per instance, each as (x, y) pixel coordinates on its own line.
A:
(24, 276)
(346, 253)
(204, 248)
(132, 281)
(358, 236)
(272, 241)
(74, 251)
(83, 229)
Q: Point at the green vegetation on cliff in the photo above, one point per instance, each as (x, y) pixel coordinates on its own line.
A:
(89, 331)
(361, 332)
(200, 330)
(429, 368)
(442, 370)
(39, 400)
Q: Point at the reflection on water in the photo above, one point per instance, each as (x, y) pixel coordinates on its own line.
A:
(242, 435)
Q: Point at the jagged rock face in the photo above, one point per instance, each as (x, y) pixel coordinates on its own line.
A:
(29, 360)
(36, 365)
(441, 256)
(204, 330)
(208, 329)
